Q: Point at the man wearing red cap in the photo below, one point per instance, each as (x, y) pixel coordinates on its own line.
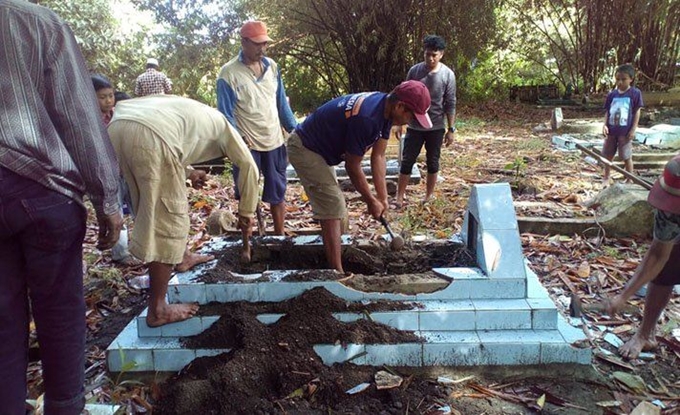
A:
(344, 129)
(251, 95)
(661, 265)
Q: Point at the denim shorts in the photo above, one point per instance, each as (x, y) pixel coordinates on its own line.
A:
(272, 165)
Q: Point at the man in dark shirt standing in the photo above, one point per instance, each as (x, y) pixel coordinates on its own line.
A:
(53, 149)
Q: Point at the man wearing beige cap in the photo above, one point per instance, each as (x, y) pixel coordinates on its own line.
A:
(251, 95)
(152, 81)
(344, 129)
(661, 265)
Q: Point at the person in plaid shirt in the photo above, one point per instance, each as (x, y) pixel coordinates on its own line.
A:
(152, 81)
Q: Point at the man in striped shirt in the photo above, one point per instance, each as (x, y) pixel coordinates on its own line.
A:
(53, 149)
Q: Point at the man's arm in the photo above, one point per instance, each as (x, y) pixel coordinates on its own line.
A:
(138, 88)
(71, 103)
(167, 84)
(356, 175)
(450, 108)
(634, 125)
(286, 116)
(649, 268)
(379, 170)
(226, 101)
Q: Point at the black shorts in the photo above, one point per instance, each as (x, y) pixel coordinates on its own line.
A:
(670, 274)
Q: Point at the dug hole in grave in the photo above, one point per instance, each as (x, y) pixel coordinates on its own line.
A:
(283, 326)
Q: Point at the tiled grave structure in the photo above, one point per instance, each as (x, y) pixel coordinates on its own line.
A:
(497, 313)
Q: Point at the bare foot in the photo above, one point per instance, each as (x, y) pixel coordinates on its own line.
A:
(632, 348)
(171, 313)
(191, 260)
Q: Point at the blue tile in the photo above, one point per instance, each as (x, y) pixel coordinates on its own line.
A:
(452, 348)
(342, 291)
(515, 336)
(189, 327)
(510, 353)
(457, 290)
(503, 319)
(492, 205)
(500, 304)
(130, 360)
(404, 354)
(168, 360)
(452, 320)
(269, 318)
(571, 334)
(207, 321)
(500, 254)
(564, 353)
(499, 288)
(210, 352)
(404, 320)
(187, 293)
(331, 354)
(281, 291)
(462, 273)
(224, 293)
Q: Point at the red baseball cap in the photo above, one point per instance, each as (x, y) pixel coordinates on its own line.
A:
(665, 195)
(416, 96)
(255, 31)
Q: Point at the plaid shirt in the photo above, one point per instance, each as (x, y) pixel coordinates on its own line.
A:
(50, 124)
(152, 82)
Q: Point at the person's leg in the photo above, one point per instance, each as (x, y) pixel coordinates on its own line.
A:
(433, 146)
(328, 203)
(14, 315)
(160, 312)
(626, 154)
(413, 143)
(644, 339)
(273, 166)
(331, 233)
(158, 192)
(191, 259)
(608, 151)
(52, 247)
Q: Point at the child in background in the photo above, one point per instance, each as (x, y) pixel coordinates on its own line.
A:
(622, 108)
(107, 100)
(105, 96)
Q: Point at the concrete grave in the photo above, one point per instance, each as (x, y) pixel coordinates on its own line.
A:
(494, 313)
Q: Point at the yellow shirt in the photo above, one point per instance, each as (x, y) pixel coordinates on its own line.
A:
(195, 133)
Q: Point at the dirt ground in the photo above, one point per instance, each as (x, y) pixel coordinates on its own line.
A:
(495, 142)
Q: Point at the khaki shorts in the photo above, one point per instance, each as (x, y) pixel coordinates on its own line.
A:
(156, 179)
(622, 144)
(319, 181)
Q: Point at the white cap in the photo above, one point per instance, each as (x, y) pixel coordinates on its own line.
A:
(152, 61)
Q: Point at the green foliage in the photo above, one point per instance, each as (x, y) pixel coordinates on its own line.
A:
(198, 38)
(518, 165)
(108, 47)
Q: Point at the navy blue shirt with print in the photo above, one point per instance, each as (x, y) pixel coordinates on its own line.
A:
(621, 109)
(348, 124)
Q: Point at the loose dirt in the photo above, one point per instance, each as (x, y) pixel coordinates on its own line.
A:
(368, 258)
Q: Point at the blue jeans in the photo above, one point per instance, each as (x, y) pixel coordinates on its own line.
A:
(41, 250)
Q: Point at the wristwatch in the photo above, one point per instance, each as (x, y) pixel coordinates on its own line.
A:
(452, 129)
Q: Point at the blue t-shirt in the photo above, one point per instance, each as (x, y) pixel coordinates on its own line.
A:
(348, 124)
(621, 109)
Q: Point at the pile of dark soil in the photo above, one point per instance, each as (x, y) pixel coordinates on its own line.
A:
(274, 369)
(366, 259)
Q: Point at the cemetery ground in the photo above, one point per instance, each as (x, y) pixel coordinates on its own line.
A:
(495, 142)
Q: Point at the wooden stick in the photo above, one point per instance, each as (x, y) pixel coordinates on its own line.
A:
(601, 160)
